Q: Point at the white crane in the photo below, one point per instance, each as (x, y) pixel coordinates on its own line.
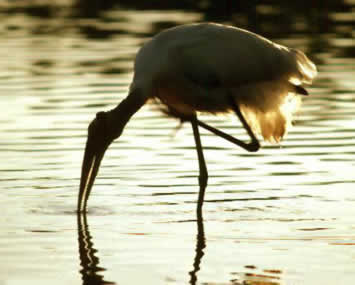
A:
(206, 68)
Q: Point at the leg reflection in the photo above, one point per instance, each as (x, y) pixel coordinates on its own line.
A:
(200, 245)
(88, 261)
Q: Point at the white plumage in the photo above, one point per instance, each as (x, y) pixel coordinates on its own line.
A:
(197, 67)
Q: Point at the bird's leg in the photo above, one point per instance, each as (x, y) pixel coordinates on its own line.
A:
(203, 176)
(252, 146)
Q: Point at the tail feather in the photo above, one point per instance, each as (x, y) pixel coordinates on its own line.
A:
(272, 124)
(306, 68)
(300, 90)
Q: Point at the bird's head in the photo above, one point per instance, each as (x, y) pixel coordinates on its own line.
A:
(99, 138)
(106, 127)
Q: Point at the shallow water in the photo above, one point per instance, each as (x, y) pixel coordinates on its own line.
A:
(283, 215)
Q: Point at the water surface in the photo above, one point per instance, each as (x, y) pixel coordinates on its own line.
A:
(283, 215)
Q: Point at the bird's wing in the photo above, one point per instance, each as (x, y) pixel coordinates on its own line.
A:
(222, 62)
(216, 56)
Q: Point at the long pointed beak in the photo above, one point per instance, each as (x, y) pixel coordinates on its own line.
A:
(94, 152)
(106, 127)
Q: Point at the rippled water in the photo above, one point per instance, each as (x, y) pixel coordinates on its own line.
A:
(283, 215)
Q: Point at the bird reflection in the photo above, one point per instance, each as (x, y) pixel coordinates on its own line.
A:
(88, 261)
(200, 245)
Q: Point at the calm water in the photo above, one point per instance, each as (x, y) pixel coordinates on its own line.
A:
(284, 215)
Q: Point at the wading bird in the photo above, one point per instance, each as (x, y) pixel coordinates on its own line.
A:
(208, 68)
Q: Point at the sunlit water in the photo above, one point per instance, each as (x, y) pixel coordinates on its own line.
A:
(284, 215)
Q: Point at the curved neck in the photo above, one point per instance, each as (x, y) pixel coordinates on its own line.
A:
(119, 116)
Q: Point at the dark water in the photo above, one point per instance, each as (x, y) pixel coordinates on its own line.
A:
(284, 215)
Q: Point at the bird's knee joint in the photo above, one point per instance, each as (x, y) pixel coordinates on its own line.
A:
(254, 146)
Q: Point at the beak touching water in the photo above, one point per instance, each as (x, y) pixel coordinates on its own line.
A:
(96, 145)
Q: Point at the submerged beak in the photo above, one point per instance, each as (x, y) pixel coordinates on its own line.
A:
(96, 145)
(106, 127)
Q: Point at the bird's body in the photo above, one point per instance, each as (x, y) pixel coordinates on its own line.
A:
(200, 66)
(207, 68)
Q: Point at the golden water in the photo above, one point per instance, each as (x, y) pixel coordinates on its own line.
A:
(284, 215)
